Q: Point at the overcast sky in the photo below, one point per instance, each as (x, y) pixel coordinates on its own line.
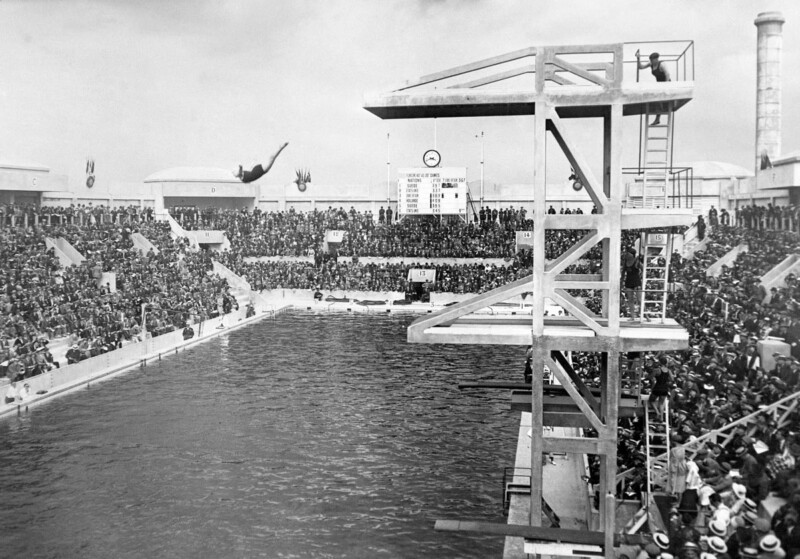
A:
(151, 84)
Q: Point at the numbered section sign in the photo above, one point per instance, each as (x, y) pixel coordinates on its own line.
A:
(421, 275)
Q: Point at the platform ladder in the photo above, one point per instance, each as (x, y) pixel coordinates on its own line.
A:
(656, 156)
(656, 250)
(657, 450)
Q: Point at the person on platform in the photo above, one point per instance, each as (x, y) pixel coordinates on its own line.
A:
(632, 279)
(259, 170)
(528, 369)
(659, 71)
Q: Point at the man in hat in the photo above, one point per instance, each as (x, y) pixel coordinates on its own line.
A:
(719, 513)
(770, 547)
(663, 542)
(717, 545)
(744, 536)
(753, 475)
(709, 468)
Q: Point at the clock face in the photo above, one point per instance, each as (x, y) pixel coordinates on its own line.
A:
(431, 158)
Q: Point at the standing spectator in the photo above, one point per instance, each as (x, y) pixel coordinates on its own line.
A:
(701, 227)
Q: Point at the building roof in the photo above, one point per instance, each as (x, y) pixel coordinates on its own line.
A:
(791, 157)
(716, 170)
(193, 174)
(24, 166)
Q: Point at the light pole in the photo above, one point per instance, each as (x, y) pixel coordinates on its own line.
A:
(481, 137)
(388, 170)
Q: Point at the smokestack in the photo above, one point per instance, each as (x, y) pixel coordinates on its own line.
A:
(768, 85)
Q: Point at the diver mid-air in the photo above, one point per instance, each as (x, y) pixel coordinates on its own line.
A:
(259, 170)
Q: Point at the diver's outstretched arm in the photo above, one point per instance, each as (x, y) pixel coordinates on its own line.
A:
(272, 159)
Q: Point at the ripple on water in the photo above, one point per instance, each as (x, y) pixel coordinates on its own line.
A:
(305, 436)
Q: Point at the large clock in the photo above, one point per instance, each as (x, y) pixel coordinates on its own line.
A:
(431, 158)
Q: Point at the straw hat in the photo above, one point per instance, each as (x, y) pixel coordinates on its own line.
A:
(769, 543)
(717, 527)
(717, 544)
(661, 540)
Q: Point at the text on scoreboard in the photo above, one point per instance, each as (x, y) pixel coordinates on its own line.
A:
(424, 191)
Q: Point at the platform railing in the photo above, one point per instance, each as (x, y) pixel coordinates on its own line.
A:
(677, 56)
(679, 179)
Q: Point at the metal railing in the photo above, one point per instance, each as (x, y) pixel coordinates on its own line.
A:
(677, 56)
(680, 179)
(517, 481)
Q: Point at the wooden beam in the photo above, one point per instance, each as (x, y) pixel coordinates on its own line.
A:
(584, 390)
(582, 285)
(572, 254)
(579, 311)
(573, 221)
(560, 80)
(578, 163)
(584, 404)
(572, 445)
(494, 78)
(578, 71)
(557, 404)
(448, 314)
(465, 68)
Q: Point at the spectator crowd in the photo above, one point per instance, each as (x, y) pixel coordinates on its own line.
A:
(43, 301)
(717, 488)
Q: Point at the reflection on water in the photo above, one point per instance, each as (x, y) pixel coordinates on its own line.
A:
(305, 436)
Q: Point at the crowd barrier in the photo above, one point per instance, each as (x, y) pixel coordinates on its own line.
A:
(78, 374)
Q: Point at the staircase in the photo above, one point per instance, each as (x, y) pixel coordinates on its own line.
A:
(656, 249)
(656, 156)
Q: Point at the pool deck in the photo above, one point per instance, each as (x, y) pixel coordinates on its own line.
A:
(564, 489)
(70, 378)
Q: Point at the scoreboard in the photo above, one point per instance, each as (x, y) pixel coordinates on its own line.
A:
(432, 191)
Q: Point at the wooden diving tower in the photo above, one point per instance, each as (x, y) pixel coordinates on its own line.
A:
(552, 84)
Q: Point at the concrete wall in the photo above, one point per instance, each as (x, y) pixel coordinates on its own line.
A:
(79, 374)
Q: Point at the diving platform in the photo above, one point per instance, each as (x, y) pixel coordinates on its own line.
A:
(582, 81)
(572, 101)
(553, 83)
(558, 331)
